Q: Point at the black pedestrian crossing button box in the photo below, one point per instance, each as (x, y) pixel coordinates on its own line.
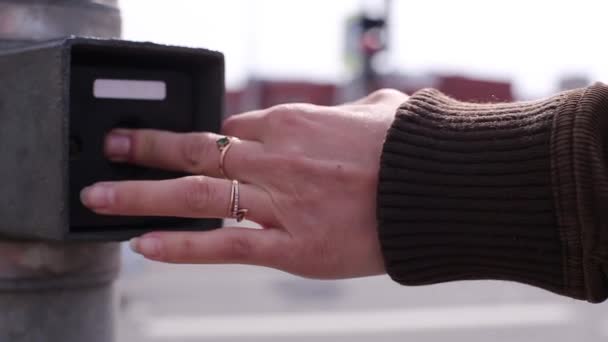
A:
(59, 99)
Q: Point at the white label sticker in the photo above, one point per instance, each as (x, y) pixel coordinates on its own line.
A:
(130, 90)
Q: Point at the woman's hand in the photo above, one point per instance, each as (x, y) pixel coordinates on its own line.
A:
(309, 176)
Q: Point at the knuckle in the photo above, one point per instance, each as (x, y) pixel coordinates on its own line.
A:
(121, 200)
(282, 108)
(296, 164)
(292, 151)
(198, 193)
(384, 93)
(184, 250)
(195, 147)
(285, 115)
(255, 163)
(287, 164)
(238, 248)
(229, 126)
(145, 144)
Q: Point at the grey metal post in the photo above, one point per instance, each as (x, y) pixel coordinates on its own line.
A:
(55, 291)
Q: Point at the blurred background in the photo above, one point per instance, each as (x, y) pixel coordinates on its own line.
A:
(328, 52)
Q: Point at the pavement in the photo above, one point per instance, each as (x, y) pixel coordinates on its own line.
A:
(177, 303)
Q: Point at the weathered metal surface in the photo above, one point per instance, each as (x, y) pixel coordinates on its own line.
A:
(46, 101)
(36, 266)
(35, 20)
(51, 291)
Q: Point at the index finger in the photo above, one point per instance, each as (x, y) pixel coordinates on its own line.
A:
(194, 153)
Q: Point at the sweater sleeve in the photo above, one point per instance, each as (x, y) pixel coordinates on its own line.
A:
(513, 191)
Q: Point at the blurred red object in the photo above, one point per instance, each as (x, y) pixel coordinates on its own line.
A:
(468, 89)
(458, 87)
(234, 102)
(267, 93)
(264, 93)
(276, 92)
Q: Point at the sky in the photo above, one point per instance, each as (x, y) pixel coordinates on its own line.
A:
(533, 43)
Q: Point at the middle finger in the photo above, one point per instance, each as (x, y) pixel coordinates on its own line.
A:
(194, 196)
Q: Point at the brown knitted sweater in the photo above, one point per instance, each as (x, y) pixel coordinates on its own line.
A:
(514, 191)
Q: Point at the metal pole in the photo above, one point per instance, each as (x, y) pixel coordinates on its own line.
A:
(56, 291)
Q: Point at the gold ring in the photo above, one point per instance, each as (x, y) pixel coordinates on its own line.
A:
(235, 211)
(224, 144)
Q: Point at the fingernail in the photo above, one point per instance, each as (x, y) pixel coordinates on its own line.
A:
(148, 246)
(133, 244)
(97, 196)
(118, 147)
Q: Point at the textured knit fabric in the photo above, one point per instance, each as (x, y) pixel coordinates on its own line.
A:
(514, 191)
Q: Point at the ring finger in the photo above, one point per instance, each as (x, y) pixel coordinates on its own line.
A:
(194, 196)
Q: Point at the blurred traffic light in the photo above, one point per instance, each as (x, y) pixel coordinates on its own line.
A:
(373, 35)
(366, 43)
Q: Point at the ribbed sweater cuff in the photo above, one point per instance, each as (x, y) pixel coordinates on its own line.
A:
(580, 179)
(465, 192)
